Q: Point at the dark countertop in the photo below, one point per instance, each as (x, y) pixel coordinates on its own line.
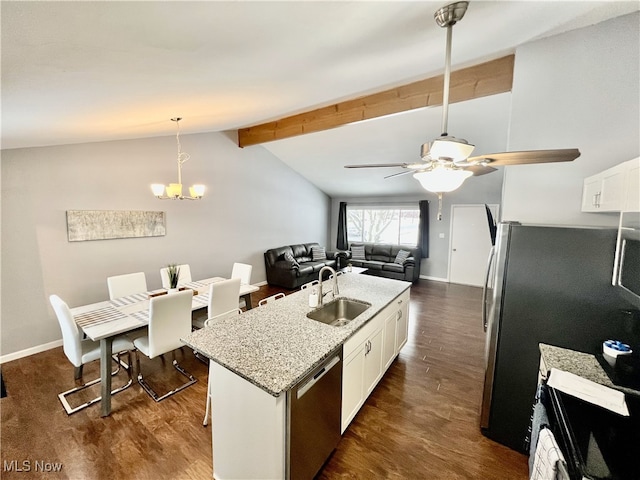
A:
(596, 443)
(582, 364)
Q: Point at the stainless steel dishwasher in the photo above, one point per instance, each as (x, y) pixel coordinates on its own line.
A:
(313, 418)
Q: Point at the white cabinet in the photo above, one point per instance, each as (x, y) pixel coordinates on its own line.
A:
(612, 190)
(361, 369)
(352, 390)
(369, 352)
(632, 201)
(389, 347)
(372, 362)
(591, 194)
(402, 323)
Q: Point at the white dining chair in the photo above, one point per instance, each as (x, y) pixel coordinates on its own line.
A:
(309, 284)
(209, 322)
(169, 321)
(223, 297)
(272, 298)
(184, 275)
(128, 284)
(79, 352)
(243, 272)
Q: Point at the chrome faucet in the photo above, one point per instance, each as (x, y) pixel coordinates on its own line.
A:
(335, 284)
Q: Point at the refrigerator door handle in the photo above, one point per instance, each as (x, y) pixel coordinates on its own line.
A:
(485, 289)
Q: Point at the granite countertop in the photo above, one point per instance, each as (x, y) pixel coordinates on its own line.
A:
(582, 364)
(275, 345)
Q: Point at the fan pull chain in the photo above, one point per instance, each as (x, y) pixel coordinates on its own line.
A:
(439, 217)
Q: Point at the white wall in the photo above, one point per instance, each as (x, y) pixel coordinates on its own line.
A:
(579, 89)
(253, 202)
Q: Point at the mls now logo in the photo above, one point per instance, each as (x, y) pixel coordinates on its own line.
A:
(28, 466)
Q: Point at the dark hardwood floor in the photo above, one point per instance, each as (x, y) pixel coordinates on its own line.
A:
(421, 421)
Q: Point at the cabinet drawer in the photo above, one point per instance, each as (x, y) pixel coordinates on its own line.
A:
(361, 335)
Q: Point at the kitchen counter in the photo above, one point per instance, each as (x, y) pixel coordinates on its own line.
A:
(595, 442)
(275, 345)
(582, 364)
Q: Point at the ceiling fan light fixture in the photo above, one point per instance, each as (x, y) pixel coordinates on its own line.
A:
(456, 149)
(442, 179)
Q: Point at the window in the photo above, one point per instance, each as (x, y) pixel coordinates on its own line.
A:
(396, 225)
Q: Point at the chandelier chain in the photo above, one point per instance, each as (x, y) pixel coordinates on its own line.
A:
(182, 156)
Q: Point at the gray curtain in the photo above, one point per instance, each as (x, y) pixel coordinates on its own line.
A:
(423, 228)
(342, 242)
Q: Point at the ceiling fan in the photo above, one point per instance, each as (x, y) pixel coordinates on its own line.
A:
(446, 161)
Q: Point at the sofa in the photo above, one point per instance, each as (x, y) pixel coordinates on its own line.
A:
(380, 260)
(293, 265)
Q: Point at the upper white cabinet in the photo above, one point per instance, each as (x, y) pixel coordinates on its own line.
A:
(632, 202)
(614, 189)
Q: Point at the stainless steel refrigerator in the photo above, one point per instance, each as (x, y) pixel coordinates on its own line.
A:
(549, 285)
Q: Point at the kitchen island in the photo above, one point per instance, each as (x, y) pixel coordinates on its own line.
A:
(258, 357)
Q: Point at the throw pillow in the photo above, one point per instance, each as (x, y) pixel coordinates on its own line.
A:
(318, 253)
(289, 258)
(357, 252)
(402, 256)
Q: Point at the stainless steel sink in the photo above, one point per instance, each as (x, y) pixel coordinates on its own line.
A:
(338, 312)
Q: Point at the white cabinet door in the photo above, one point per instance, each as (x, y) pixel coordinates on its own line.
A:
(613, 183)
(372, 362)
(389, 346)
(632, 203)
(591, 192)
(368, 354)
(402, 325)
(352, 385)
(614, 189)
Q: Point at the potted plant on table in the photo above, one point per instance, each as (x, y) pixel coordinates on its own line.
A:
(173, 272)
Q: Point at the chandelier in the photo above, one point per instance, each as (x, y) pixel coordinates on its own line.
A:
(174, 190)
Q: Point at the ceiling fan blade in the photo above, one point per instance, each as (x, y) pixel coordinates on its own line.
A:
(527, 157)
(400, 173)
(478, 170)
(374, 165)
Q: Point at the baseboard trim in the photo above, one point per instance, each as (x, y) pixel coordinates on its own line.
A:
(435, 279)
(30, 351)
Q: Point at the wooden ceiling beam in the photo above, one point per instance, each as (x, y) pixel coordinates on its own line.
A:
(489, 78)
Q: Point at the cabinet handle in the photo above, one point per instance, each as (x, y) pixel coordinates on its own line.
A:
(399, 302)
(399, 315)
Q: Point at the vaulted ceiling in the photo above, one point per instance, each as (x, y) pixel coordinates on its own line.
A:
(75, 72)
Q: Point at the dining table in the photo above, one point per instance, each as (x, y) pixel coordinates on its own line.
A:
(103, 321)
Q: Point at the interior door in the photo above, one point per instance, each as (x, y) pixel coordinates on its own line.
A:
(470, 244)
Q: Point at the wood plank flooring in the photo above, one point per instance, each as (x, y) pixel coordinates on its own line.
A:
(421, 421)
